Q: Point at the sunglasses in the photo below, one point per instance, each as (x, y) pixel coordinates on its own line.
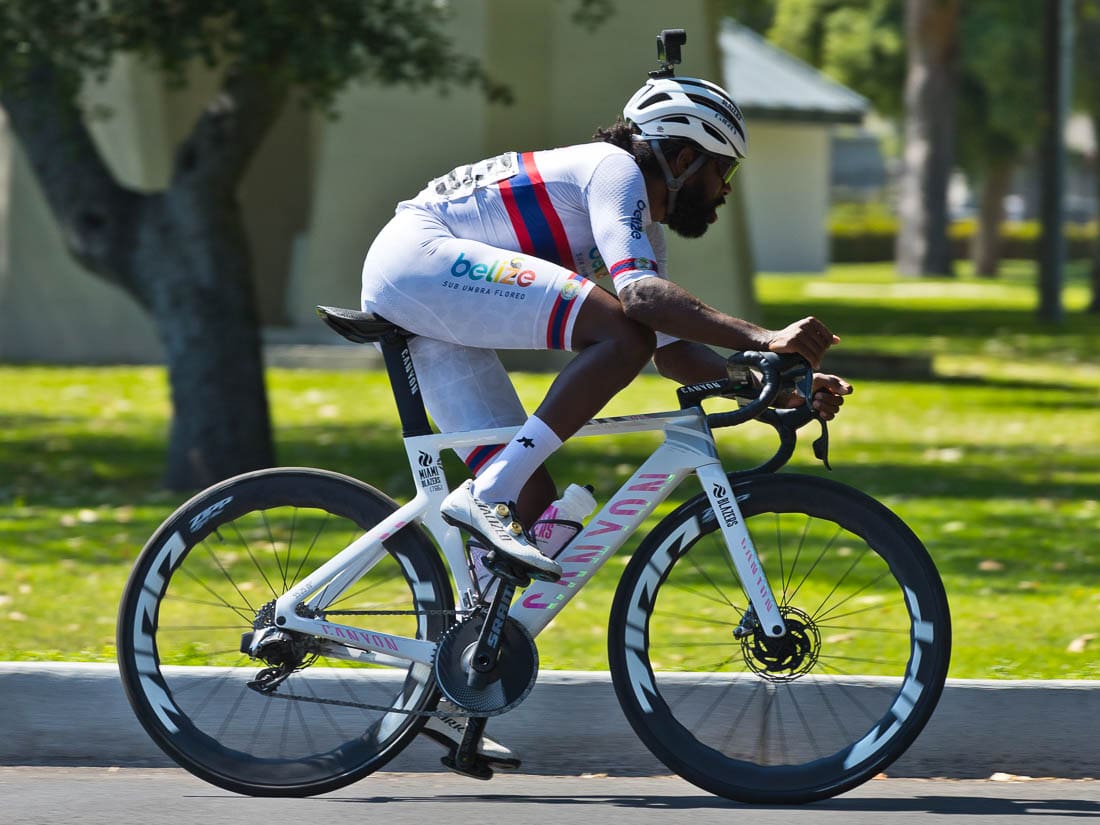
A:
(727, 167)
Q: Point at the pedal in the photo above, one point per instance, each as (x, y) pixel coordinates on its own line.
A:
(475, 768)
(508, 570)
(463, 758)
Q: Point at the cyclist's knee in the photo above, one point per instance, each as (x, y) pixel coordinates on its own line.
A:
(638, 343)
(606, 323)
(627, 345)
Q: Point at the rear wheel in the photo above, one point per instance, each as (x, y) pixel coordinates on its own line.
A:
(202, 581)
(805, 716)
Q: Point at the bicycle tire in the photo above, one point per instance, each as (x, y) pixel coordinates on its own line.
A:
(869, 641)
(197, 587)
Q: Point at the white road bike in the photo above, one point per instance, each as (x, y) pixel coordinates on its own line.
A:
(778, 638)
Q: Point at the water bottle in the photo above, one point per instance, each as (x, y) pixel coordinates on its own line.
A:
(563, 519)
(552, 530)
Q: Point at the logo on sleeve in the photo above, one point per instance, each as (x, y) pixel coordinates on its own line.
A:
(636, 225)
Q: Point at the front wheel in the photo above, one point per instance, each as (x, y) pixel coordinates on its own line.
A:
(805, 716)
(207, 576)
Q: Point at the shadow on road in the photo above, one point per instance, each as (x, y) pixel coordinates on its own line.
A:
(1022, 805)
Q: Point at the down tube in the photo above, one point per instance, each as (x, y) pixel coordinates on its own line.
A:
(597, 542)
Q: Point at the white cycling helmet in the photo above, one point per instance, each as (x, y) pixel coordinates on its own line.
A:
(692, 109)
(687, 107)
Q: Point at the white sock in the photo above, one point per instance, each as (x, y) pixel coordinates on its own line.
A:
(504, 477)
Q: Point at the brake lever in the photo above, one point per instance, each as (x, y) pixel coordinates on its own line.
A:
(805, 386)
(821, 444)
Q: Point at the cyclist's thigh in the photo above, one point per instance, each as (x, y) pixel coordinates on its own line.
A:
(426, 280)
(602, 318)
(465, 388)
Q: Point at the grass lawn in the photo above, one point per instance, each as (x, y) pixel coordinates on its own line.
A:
(995, 463)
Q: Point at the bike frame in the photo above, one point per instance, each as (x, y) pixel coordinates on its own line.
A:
(688, 448)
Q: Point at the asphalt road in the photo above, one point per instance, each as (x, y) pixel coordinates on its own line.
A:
(112, 796)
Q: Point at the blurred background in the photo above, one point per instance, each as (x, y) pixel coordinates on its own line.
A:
(180, 184)
(846, 157)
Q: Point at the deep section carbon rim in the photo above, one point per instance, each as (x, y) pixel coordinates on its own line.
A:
(792, 719)
(201, 583)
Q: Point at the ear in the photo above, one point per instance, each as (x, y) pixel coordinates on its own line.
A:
(682, 160)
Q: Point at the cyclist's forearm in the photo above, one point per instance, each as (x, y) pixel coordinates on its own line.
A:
(665, 307)
(689, 363)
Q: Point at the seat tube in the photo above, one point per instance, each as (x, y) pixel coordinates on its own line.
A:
(406, 389)
(741, 549)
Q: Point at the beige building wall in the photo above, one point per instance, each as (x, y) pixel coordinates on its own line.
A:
(319, 190)
(787, 182)
(50, 308)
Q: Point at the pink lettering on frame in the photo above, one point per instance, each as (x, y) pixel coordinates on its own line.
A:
(626, 507)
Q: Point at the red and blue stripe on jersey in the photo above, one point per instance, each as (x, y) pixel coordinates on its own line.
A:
(536, 223)
(540, 232)
(632, 265)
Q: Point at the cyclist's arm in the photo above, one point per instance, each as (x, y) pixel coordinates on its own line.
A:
(662, 305)
(687, 362)
(666, 307)
(619, 212)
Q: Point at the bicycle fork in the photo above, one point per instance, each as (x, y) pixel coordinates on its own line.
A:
(742, 551)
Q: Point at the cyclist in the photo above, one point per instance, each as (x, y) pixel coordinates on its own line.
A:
(506, 254)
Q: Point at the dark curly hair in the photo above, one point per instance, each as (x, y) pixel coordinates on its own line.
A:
(621, 134)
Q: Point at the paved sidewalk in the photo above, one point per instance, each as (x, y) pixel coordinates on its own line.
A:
(77, 714)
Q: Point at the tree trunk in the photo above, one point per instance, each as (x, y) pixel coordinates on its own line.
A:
(182, 254)
(195, 266)
(986, 248)
(1094, 304)
(923, 246)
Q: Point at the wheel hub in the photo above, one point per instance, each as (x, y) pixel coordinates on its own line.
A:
(787, 657)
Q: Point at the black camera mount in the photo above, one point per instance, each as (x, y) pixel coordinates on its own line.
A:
(669, 42)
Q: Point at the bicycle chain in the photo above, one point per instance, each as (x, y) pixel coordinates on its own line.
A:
(457, 712)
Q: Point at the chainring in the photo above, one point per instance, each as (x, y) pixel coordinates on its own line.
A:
(508, 683)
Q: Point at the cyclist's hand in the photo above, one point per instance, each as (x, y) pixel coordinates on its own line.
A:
(828, 395)
(809, 338)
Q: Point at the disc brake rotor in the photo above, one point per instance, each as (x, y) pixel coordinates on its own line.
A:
(788, 657)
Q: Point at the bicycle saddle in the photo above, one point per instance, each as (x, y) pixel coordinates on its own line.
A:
(359, 327)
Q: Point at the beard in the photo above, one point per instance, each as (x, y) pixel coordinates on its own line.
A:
(691, 218)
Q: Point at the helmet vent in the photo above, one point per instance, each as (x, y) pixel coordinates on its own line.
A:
(676, 119)
(660, 97)
(710, 104)
(714, 133)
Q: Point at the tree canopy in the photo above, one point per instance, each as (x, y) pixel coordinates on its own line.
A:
(860, 43)
(182, 252)
(317, 48)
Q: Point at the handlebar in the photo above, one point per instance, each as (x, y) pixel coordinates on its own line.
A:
(778, 371)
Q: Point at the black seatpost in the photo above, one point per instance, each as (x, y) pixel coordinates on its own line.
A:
(406, 389)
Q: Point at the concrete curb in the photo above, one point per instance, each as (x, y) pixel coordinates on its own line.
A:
(77, 714)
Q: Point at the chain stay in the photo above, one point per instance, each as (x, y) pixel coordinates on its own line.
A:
(323, 613)
(457, 712)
